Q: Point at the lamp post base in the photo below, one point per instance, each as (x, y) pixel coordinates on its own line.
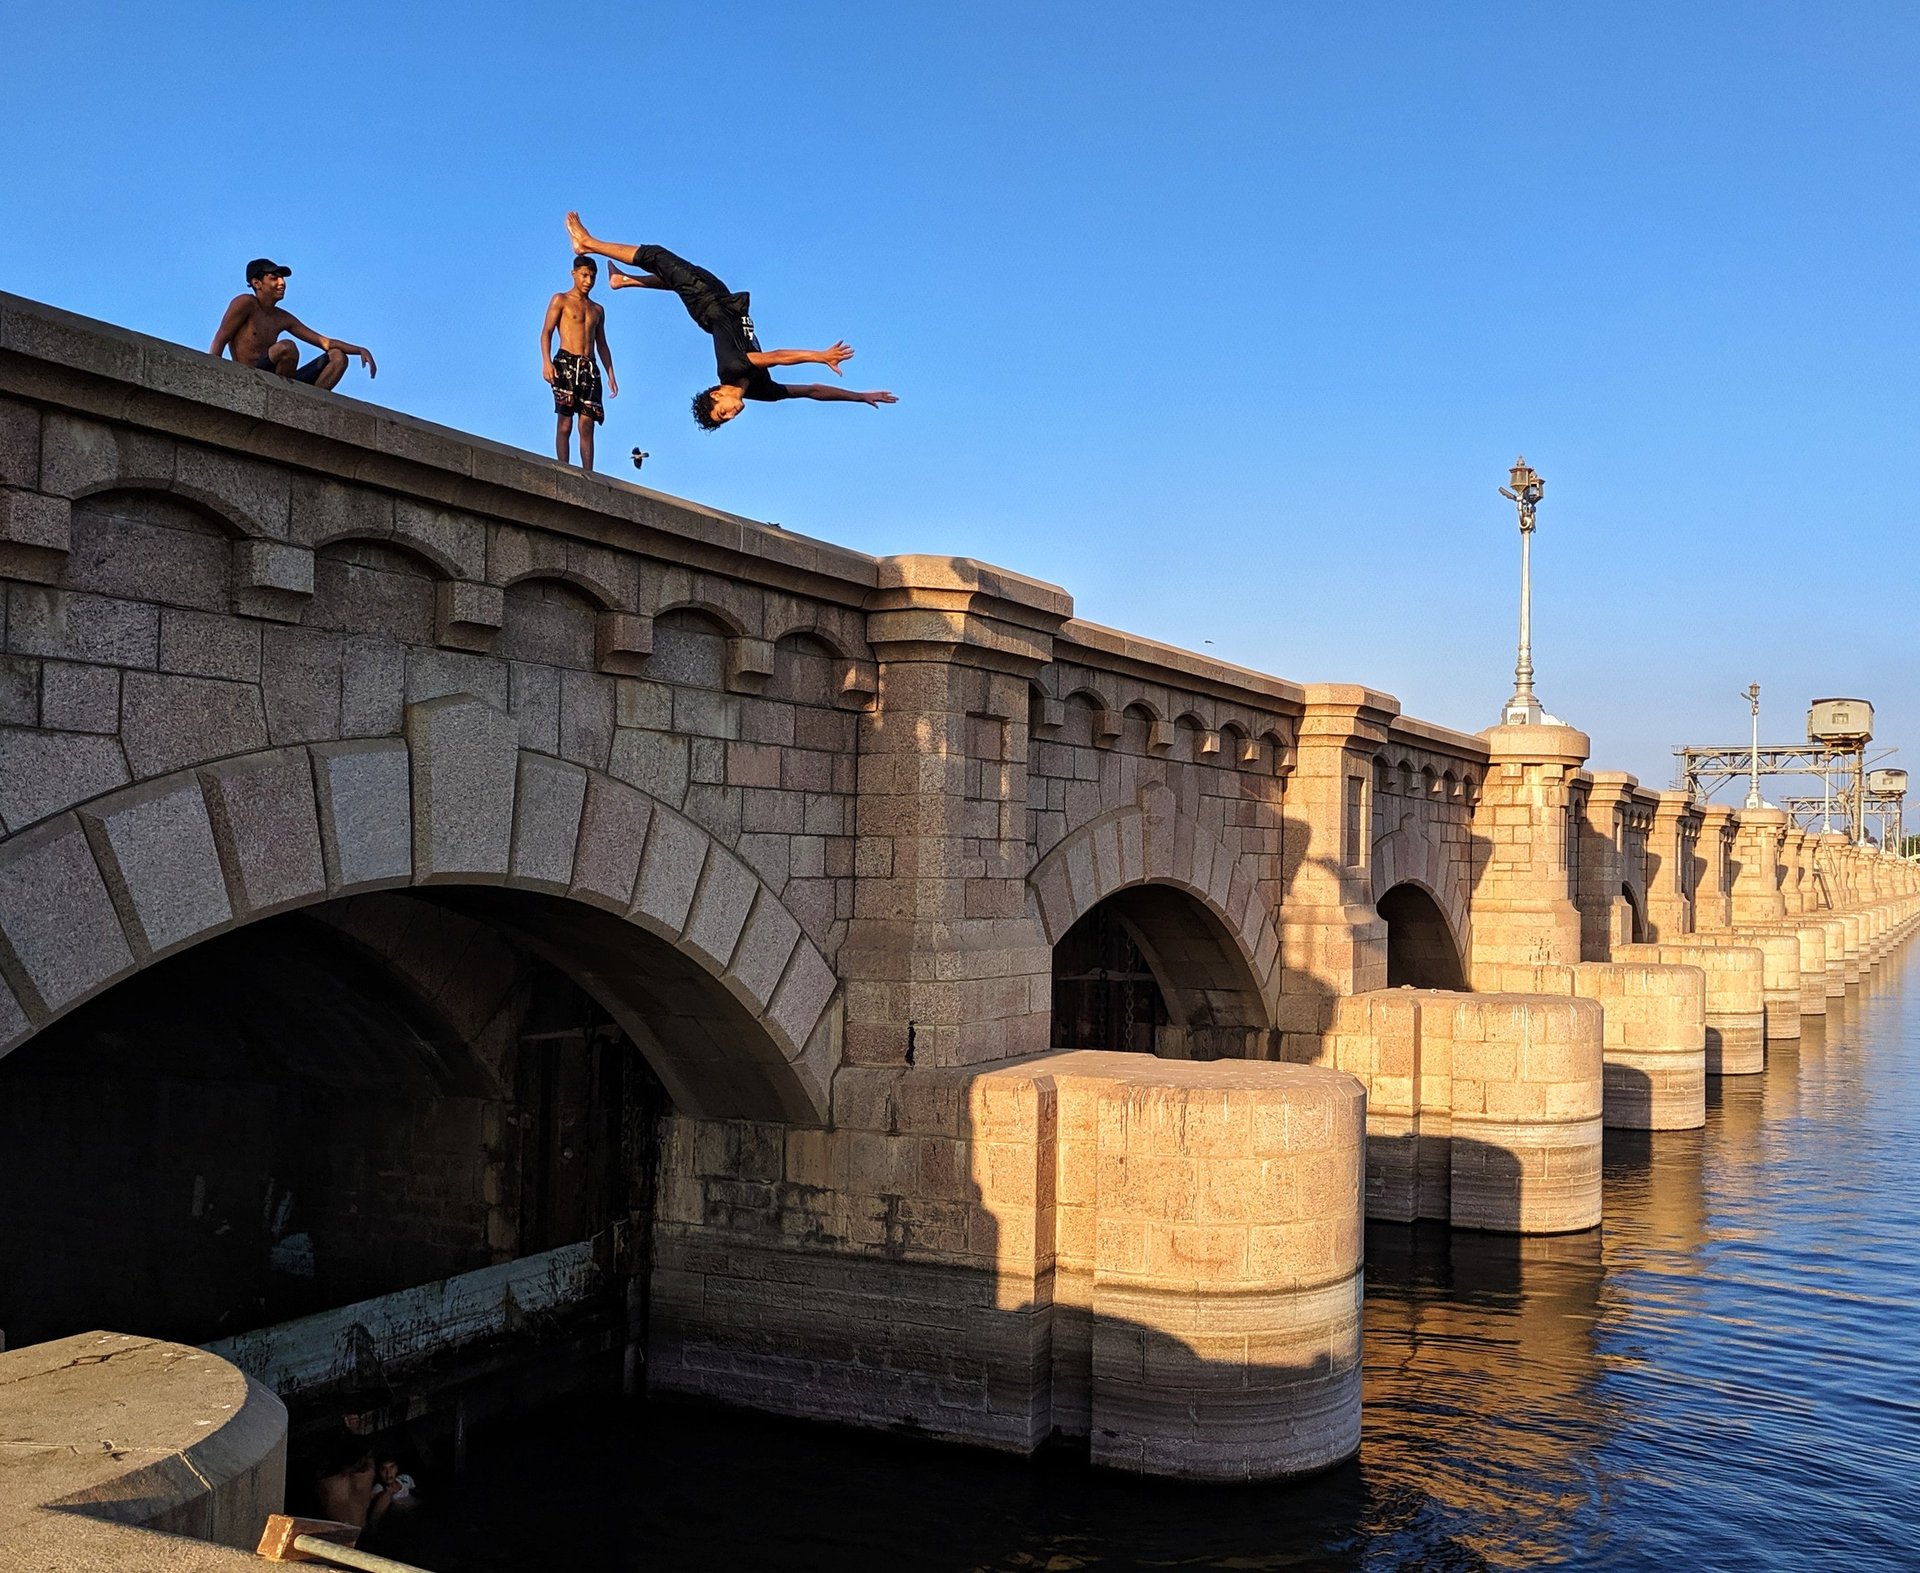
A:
(1525, 710)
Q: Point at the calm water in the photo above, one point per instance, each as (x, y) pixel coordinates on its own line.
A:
(1726, 1376)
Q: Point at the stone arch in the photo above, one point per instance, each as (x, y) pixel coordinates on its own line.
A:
(694, 955)
(1423, 950)
(1414, 852)
(414, 545)
(1148, 844)
(594, 590)
(730, 621)
(205, 493)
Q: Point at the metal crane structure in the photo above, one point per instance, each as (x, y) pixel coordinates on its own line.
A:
(1835, 754)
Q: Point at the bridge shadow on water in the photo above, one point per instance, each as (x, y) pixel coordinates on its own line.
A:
(1481, 1421)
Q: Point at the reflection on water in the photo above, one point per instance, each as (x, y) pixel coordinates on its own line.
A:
(1726, 1376)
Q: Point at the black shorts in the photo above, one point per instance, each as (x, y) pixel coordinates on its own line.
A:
(576, 387)
(309, 373)
(704, 294)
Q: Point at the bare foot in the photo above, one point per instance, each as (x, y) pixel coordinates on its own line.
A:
(577, 232)
(618, 280)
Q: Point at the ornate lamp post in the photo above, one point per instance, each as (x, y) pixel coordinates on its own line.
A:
(1524, 492)
(1754, 799)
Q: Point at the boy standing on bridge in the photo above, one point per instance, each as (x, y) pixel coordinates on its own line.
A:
(739, 360)
(251, 329)
(570, 369)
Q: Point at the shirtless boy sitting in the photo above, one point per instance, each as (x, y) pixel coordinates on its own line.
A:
(250, 333)
(570, 369)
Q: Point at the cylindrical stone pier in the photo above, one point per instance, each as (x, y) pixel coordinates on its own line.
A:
(1736, 1020)
(1527, 1102)
(1780, 978)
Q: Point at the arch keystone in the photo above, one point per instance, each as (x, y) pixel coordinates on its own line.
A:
(466, 757)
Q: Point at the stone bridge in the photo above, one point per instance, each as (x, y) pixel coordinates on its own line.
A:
(1036, 1006)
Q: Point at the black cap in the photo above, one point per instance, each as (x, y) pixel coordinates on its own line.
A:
(261, 268)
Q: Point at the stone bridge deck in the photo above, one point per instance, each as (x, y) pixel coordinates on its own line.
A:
(833, 839)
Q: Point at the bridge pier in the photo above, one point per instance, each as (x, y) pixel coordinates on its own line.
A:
(1159, 1257)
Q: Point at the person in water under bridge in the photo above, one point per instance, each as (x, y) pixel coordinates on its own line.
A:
(738, 359)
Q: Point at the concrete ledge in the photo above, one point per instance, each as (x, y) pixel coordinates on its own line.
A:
(141, 1434)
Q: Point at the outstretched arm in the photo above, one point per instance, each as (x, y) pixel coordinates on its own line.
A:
(320, 341)
(230, 323)
(831, 395)
(546, 338)
(606, 354)
(831, 357)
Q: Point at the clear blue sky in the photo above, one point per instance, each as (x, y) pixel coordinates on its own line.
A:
(1227, 318)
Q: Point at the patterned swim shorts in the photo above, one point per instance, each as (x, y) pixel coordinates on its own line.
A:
(576, 387)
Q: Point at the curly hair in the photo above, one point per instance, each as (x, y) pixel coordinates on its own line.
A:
(703, 409)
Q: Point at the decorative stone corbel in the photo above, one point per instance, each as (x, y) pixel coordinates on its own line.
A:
(1106, 728)
(35, 536)
(749, 664)
(622, 641)
(468, 615)
(859, 685)
(1160, 737)
(272, 580)
(1049, 715)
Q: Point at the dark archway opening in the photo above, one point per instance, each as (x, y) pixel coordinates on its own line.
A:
(326, 1108)
(1636, 918)
(1421, 952)
(1150, 970)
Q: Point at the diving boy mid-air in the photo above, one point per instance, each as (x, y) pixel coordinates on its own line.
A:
(738, 359)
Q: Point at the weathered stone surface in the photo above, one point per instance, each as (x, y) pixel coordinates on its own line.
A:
(655, 762)
(720, 907)
(205, 644)
(622, 641)
(271, 580)
(468, 616)
(154, 845)
(44, 772)
(81, 627)
(800, 997)
(764, 949)
(19, 445)
(19, 691)
(613, 833)
(546, 821)
(35, 535)
(167, 722)
(56, 918)
(302, 685)
(366, 815)
(373, 678)
(676, 851)
(267, 828)
(77, 698)
(250, 494)
(465, 761)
